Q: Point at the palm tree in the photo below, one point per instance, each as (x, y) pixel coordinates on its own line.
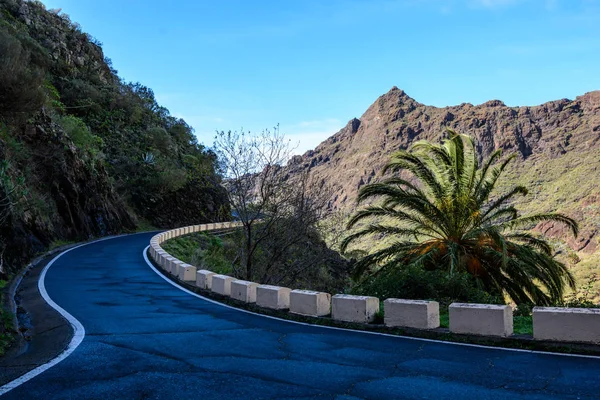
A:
(443, 217)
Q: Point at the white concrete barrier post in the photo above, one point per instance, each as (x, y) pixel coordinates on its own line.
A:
(221, 284)
(481, 319)
(204, 279)
(164, 262)
(170, 264)
(244, 291)
(567, 324)
(275, 297)
(307, 302)
(175, 266)
(345, 307)
(420, 314)
(187, 272)
(167, 263)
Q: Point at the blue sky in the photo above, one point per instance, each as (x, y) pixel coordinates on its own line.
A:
(311, 65)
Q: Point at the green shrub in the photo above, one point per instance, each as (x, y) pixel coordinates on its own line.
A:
(416, 283)
(200, 249)
(81, 135)
(21, 89)
(210, 255)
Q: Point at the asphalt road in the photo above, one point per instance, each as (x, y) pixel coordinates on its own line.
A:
(146, 339)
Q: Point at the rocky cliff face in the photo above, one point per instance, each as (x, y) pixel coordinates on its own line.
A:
(68, 200)
(558, 144)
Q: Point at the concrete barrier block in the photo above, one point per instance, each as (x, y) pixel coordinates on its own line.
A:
(187, 272)
(345, 307)
(275, 297)
(166, 262)
(418, 314)
(203, 227)
(244, 291)
(221, 284)
(175, 265)
(567, 324)
(204, 279)
(481, 319)
(170, 264)
(307, 302)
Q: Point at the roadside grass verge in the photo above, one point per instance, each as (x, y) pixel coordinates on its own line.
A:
(201, 250)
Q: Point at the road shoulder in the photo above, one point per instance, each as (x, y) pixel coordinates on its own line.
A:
(44, 332)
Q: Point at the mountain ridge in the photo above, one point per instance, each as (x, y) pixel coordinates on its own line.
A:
(407, 120)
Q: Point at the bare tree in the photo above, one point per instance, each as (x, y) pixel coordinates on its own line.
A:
(266, 199)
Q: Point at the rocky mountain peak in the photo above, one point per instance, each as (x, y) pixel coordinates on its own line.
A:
(549, 132)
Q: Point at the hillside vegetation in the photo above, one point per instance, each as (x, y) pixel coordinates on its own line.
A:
(83, 153)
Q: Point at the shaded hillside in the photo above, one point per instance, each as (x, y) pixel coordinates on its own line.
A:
(82, 153)
(558, 144)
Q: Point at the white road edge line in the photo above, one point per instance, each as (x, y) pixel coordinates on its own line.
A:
(78, 329)
(357, 331)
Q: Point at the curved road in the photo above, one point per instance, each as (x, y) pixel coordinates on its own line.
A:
(146, 339)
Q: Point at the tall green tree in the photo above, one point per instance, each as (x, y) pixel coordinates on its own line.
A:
(442, 212)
